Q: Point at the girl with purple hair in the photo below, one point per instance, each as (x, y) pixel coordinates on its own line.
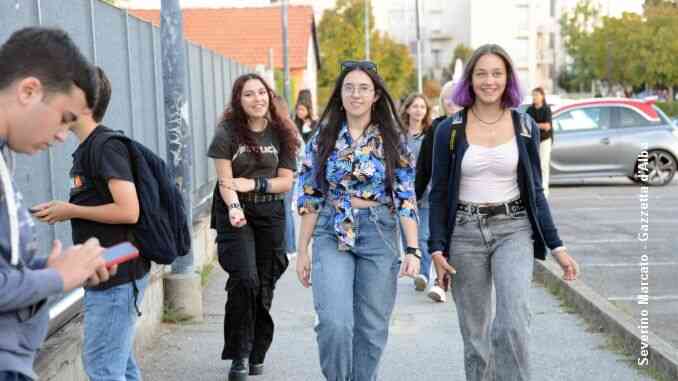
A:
(489, 217)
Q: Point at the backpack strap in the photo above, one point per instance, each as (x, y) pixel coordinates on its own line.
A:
(12, 211)
(97, 143)
(457, 121)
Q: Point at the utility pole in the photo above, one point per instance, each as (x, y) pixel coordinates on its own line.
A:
(419, 58)
(286, 58)
(182, 287)
(367, 30)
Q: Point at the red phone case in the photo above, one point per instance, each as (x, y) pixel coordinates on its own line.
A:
(122, 258)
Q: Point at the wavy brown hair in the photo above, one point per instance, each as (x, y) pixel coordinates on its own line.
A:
(405, 117)
(235, 118)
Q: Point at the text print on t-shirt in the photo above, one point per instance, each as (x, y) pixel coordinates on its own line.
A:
(265, 150)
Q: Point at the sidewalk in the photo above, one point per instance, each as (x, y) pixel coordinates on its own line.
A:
(424, 342)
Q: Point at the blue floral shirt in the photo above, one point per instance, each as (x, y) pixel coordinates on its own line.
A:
(356, 170)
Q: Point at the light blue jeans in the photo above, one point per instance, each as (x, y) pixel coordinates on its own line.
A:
(486, 252)
(110, 317)
(354, 293)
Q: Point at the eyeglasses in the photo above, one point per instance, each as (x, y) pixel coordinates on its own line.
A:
(363, 90)
(365, 65)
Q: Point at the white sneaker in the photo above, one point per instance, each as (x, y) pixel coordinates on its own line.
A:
(420, 283)
(437, 294)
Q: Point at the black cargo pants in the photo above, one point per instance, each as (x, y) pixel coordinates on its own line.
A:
(254, 258)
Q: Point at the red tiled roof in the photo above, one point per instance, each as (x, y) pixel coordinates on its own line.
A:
(246, 34)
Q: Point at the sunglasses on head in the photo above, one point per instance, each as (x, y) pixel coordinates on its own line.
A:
(365, 65)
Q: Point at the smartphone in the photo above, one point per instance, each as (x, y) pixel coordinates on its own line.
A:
(120, 253)
(34, 210)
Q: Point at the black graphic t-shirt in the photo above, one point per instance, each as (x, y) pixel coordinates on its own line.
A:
(91, 189)
(244, 161)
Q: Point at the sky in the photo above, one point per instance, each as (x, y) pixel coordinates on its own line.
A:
(614, 7)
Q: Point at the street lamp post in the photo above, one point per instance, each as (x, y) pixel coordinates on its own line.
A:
(367, 29)
(286, 57)
(419, 55)
(182, 287)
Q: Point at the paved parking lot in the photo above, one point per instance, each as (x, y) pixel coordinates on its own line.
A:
(600, 222)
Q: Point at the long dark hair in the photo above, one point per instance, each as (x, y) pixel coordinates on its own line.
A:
(383, 115)
(236, 118)
(304, 99)
(540, 90)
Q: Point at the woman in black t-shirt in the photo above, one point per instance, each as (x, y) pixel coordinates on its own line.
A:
(254, 151)
(540, 111)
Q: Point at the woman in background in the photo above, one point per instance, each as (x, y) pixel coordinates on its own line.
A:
(437, 289)
(540, 111)
(415, 115)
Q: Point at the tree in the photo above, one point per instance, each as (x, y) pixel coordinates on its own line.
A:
(341, 35)
(431, 89)
(576, 28)
(617, 45)
(647, 4)
(661, 27)
(631, 51)
(462, 52)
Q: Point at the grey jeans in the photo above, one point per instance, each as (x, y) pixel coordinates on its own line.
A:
(486, 252)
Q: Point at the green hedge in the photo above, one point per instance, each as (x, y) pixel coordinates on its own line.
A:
(670, 108)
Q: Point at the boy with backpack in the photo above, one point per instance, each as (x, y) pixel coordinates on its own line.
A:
(104, 203)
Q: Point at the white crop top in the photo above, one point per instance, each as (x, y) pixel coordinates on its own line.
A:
(490, 175)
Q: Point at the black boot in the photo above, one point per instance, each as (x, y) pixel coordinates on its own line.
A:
(238, 370)
(256, 369)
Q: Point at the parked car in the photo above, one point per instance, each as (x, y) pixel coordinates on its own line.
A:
(603, 137)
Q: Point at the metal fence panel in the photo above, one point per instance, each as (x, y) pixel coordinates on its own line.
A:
(195, 98)
(111, 41)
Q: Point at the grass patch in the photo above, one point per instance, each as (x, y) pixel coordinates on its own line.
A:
(613, 343)
(205, 274)
(171, 315)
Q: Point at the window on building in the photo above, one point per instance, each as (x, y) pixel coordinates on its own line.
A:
(552, 40)
(522, 51)
(552, 8)
(523, 18)
(436, 57)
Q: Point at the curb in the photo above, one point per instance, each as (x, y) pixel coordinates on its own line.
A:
(596, 310)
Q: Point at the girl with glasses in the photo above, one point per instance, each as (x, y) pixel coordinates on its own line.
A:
(358, 181)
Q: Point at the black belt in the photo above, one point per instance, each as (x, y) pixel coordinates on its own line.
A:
(507, 208)
(256, 198)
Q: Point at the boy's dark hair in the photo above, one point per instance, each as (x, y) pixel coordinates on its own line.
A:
(103, 95)
(49, 55)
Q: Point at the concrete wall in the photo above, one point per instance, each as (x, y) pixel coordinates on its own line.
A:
(60, 358)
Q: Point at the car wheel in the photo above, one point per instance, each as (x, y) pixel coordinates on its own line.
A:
(661, 167)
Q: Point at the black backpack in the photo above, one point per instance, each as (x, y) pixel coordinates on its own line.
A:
(162, 232)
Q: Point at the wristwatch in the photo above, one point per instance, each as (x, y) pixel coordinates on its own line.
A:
(413, 251)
